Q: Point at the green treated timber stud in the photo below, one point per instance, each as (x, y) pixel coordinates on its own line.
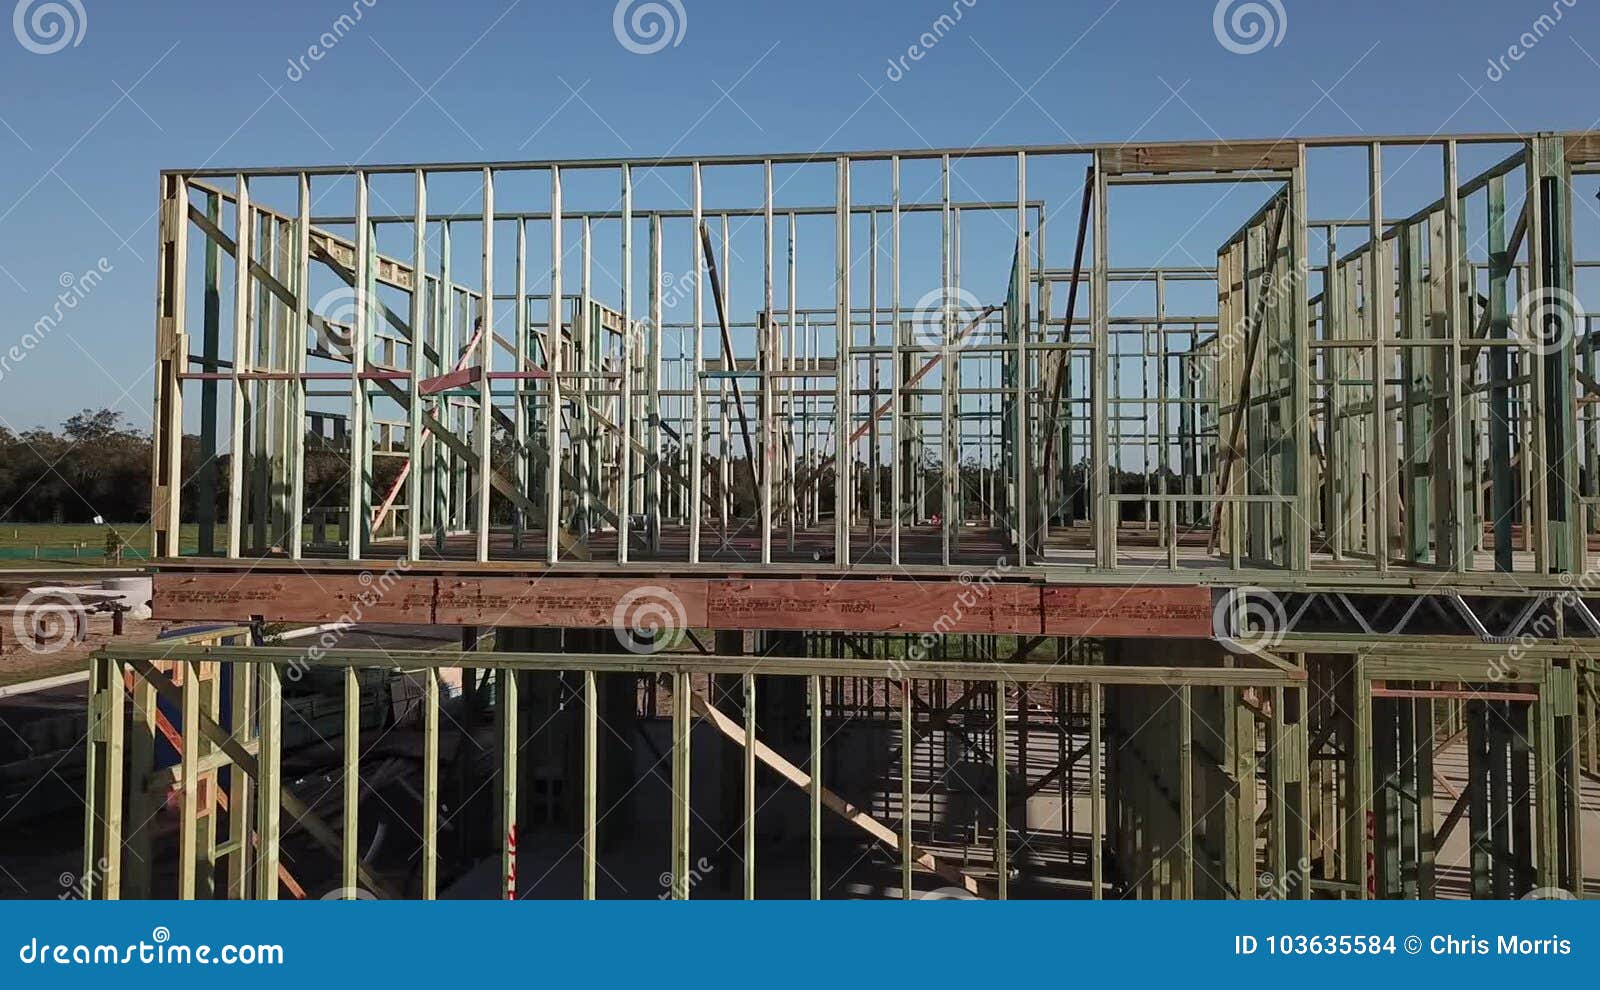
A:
(748, 682)
(814, 765)
(350, 850)
(505, 703)
(906, 745)
(1002, 857)
(590, 783)
(268, 778)
(430, 785)
(189, 801)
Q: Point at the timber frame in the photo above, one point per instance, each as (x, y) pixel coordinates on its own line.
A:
(1349, 479)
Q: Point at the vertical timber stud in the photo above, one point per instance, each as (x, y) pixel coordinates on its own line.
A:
(103, 783)
(242, 713)
(693, 444)
(172, 355)
(552, 350)
(1382, 439)
(1501, 485)
(296, 363)
(681, 686)
(844, 377)
(91, 778)
(1362, 856)
(1020, 436)
(1297, 525)
(1101, 506)
(430, 765)
(1553, 281)
(414, 437)
(1096, 783)
(1002, 853)
(950, 461)
(485, 439)
(1459, 461)
(350, 851)
(505, 703)
(625, 457)
(269, 762)
(767, 351)
(814, 764)
(656, 457)
(748, 752)
(356, 435)
(141, 764)
(591, 750)
(1186, 786)
(906, 743)
(189, 762)
(523, 405)
(896, 438)
(241, 363)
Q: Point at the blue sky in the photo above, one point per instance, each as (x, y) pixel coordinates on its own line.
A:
(147, 85)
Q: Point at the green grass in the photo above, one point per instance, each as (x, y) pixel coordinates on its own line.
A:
(74, 543)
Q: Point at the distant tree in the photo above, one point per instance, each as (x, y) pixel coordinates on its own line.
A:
(97, 465)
